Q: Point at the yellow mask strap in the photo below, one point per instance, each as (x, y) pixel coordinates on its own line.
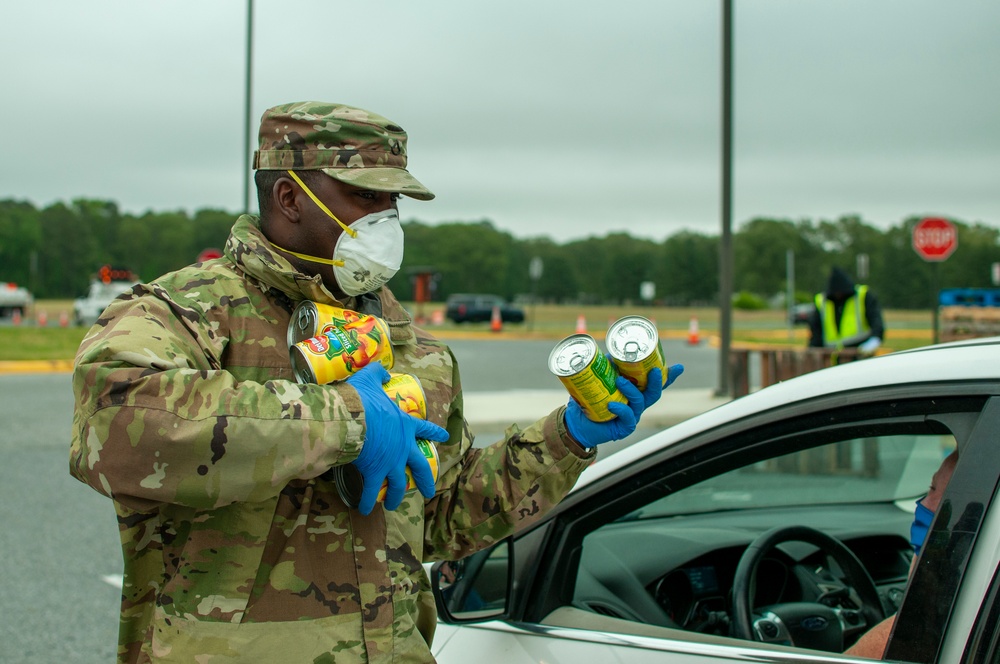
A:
(324, 208)
(311, 259)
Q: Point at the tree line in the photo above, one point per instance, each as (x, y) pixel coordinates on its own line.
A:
(55, 252)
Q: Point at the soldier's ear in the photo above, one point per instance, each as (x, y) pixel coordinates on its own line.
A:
(285, 195)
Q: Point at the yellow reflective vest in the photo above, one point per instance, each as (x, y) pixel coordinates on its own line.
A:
(853, 328)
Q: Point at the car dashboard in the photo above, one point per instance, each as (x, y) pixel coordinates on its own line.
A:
(679, 571)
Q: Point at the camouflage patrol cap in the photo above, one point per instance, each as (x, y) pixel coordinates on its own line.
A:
(349, 144)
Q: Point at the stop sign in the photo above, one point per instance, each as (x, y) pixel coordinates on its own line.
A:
(934, 239)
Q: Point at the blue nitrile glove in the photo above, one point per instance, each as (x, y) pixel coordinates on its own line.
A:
(589, 433)
(390, 443)
(870, 345)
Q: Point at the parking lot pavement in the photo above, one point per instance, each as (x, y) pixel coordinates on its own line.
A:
(496, 410)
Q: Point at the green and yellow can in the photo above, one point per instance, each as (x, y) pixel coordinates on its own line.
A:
(634, 346)
(587, 374)
(350, 483)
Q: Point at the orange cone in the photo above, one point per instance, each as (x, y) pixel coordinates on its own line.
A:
(496, 322)
(693, 339)
(581, 325)
(43, 319)
(63, 319)
(16, 319)
(437, 317)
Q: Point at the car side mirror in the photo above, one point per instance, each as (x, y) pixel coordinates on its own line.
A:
(476, 588)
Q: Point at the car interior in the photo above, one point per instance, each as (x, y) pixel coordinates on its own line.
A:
(791, 534)
(751, 552)
(674, 562)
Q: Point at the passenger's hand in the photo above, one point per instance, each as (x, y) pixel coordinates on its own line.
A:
(390, 443)
(589, 433)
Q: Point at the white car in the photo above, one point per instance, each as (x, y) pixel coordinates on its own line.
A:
(774, 528)
(86, 310)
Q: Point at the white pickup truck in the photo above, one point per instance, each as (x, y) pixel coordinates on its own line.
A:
(109, 284)
(14, 300)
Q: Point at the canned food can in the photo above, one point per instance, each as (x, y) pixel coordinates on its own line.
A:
(350, 483)
(309, 319)
(634, 346)
(587, 375)
(405, 390)
(340, 349)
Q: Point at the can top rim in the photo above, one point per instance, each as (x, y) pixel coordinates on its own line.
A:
(575, 340)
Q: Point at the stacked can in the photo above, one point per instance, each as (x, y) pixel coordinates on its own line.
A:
(405, 390)
(587, 375)
(327, 343)
(634, 346)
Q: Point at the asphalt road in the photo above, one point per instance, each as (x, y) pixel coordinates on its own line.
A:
(59, 538)
(503, 364)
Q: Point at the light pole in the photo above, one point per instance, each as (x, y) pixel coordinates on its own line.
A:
(246, 111)
(726, 243)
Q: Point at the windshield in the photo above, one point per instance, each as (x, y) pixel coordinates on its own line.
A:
(862, 470)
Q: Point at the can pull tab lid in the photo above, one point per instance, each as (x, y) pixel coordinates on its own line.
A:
(578, 363)
(632, 351)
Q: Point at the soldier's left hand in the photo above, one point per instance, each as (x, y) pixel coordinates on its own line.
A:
(390, 443)
(589, 433)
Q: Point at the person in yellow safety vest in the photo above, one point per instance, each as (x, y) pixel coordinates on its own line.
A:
(846, 316)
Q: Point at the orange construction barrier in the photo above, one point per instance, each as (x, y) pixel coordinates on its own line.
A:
(693, 339)
(581, 325)
(496, 321)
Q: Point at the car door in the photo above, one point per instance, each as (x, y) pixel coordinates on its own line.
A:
(831, 442)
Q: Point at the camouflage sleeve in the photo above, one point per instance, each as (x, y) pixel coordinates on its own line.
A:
(157, 420)
(485, 494)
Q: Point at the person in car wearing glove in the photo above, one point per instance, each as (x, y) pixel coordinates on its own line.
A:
(872, 643)
(235, 541)
(846, 316)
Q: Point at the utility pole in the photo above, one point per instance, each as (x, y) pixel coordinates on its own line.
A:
(726, 243)
(246, 112)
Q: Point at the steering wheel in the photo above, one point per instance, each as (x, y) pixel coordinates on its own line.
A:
(804, 624)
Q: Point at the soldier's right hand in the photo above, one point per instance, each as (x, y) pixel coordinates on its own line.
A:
(589, 433)
(390, 443)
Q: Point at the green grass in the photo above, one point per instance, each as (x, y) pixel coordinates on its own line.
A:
(34, 343)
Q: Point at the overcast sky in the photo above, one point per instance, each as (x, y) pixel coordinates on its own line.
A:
(556, 118)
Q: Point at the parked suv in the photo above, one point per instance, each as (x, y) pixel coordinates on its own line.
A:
(478, 308)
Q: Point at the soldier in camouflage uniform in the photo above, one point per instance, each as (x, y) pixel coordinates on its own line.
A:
(236, 545)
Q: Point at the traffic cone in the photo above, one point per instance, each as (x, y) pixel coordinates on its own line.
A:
(43, 319)
(437, 317)
(496, 322)
(16, 318)
(63, 319)
(581, 324)
(693, 339)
